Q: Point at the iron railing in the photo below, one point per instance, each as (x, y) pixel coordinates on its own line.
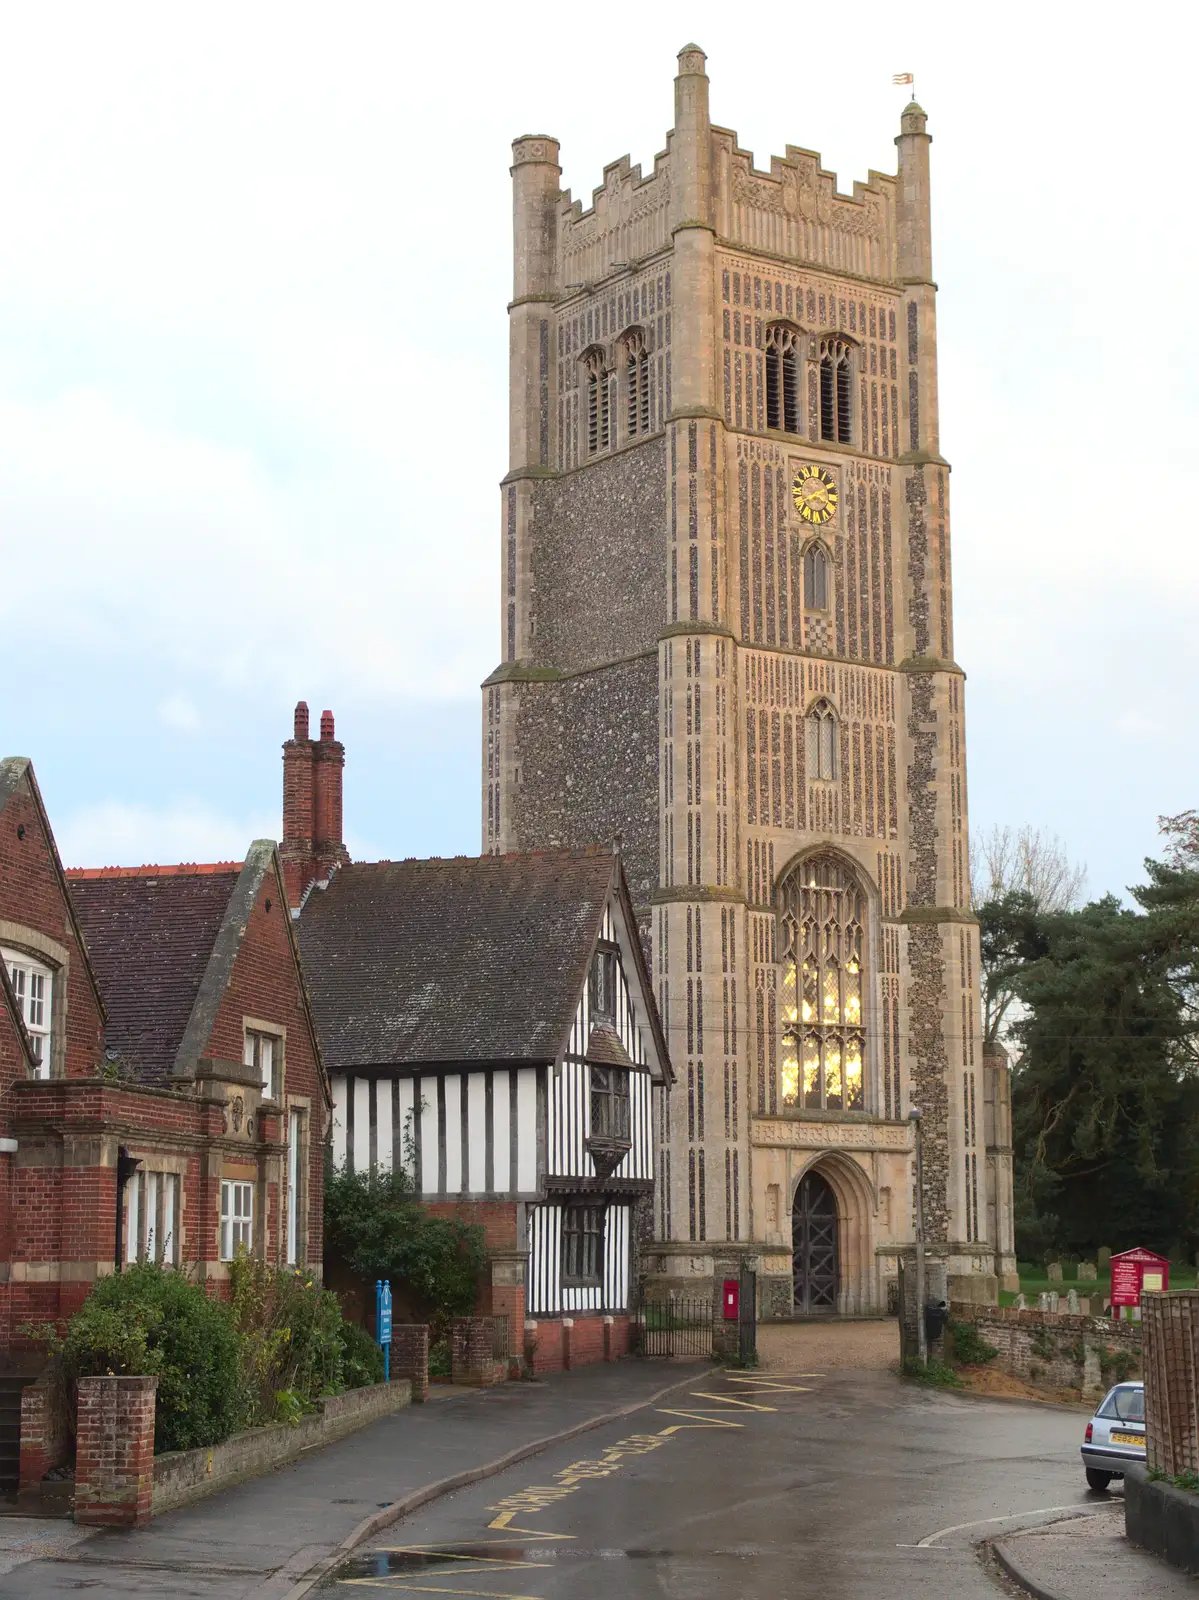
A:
(673, 1325)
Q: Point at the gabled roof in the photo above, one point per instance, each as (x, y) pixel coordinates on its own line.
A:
(465, 959)
(14, 772)
(150, 934)
(164, 941)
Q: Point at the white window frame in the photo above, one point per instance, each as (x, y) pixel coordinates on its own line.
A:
(295, 1140)
(237, 1216)
(152, 1218)
(33, 987)
(263, 1049)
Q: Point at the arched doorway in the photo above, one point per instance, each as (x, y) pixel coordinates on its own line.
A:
(814, 1245)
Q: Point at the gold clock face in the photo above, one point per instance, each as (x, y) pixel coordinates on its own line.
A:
(815, 495)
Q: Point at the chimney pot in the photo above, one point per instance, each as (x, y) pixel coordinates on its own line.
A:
(301, 724)
(326, 725)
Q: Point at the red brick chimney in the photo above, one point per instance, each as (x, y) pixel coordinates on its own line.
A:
(312, 847)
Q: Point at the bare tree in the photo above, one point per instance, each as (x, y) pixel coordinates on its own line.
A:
(1021, 873)
(1029, 860)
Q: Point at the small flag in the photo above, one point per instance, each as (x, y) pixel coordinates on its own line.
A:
(903, 77)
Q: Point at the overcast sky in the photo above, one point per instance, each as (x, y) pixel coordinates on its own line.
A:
(254, 261)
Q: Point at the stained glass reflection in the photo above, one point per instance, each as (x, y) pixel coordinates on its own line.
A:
(823, 998)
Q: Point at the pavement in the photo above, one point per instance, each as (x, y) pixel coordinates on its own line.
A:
(1088, 1558)
(265, 1539)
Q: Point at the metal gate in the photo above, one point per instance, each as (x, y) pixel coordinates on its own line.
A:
(747, 1317)
(671, 1325)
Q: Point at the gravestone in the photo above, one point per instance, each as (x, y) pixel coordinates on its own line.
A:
(1103, 1257)
(1087, 1272)
(1084, 1305)
(1020, 1303)
(1054, 1273)
(1072, 1302)
(1043, 1300)
(1055, 1301)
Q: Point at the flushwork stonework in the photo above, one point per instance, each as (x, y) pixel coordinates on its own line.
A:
(727, 639)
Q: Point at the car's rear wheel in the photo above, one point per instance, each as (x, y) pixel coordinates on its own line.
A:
(1097, 1479)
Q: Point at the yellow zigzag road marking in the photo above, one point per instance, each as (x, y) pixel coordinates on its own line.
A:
(504, 1520)
(678, 1426)
(428, 1588)
(730, 1400)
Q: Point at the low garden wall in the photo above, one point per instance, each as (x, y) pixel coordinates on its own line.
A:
(1056, 1348)
(186, 1475)
(1162, 1518)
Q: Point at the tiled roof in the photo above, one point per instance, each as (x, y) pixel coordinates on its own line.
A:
(150, 934)
(604, 1047)
(464, 959)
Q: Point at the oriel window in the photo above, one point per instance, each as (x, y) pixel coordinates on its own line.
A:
(583, 1245)
(610, 1104)
(823, 926)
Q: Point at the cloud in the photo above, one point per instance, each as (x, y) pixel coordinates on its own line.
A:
(116, 833)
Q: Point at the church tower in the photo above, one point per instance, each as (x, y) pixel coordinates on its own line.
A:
(727, 638)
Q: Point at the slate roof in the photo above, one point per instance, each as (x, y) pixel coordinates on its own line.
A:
(150, 933)
(470, 958)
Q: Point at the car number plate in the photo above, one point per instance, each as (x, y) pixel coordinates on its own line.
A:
(1127, 1438)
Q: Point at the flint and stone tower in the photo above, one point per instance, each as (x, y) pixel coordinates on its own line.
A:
(727, 637)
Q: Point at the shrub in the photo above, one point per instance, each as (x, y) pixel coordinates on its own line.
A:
(969, 1346)
(152, 1320)
(291, 1339)
(361, 1357)
(373, 1223)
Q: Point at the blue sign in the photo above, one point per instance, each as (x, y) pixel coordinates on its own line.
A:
(383, 1323)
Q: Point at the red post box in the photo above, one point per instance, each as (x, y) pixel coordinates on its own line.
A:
(732, 1300)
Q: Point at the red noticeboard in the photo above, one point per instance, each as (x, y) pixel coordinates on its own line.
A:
(1137, 1271)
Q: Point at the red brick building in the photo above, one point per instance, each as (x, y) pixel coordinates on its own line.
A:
(161, 1088)
(488, 1023)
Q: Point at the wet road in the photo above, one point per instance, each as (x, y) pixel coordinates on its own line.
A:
(756, 1486)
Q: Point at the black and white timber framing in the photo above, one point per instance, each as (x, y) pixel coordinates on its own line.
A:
(500, 1127)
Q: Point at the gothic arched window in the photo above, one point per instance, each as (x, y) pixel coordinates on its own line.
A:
(821, 726)
(637, 382)
(815, 578)
(836, 390)
(824, 942)
(782, 379)
(597, 401)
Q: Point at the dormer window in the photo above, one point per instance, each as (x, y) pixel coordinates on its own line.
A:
(33, 987)
(782, 379)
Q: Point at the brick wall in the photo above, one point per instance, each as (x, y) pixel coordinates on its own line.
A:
(114, 1451)
(471, 1360)
(1069, 1352)
(561, 1343)
(410, 1356)
(497, 1218)
(45, 1432)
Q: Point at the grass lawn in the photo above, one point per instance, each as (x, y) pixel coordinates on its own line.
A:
(1034, 1282)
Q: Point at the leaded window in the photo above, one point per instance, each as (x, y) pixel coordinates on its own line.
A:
(603, 982)
(824, 939)
(583, 1244)
(821, 735)
(610, 1104)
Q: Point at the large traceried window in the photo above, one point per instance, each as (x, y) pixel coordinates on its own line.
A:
(821, 734)
(782, 379)
(836, 390)
(33, 987)
(823, 928)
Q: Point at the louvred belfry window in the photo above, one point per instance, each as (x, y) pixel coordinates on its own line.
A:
(823, 926)
(836, 390)
(782, 380)
(597, 402)
(637, 383)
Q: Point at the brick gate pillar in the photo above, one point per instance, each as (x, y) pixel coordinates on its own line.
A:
(114, 1451)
